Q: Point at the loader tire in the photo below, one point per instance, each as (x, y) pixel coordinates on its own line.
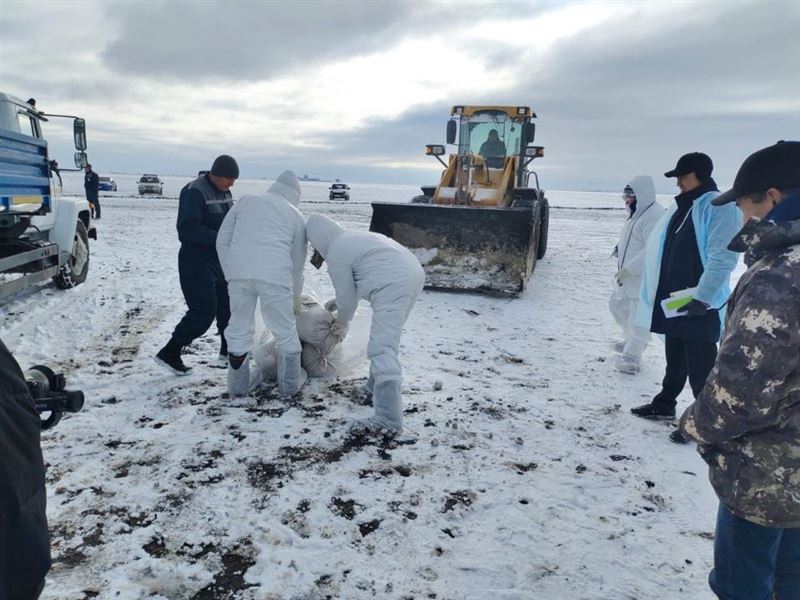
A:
(544, 222)
(76, 269)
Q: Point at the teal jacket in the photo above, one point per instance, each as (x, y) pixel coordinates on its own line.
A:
(715, 227)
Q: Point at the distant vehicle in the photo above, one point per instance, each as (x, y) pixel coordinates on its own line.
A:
(106, 184)
(43, 235)
(150, 184)
(339, 191)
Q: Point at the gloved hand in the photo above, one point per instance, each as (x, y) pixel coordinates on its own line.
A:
(330, 305)
(339, 329)
(695, 308)
(622, 275)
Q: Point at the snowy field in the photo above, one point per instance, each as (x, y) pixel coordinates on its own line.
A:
(529, 478)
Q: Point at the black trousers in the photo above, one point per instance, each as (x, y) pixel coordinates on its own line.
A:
(205, 291)
(692, 360)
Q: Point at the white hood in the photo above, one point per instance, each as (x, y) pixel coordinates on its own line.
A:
(633, 238)
(286, 186)
(642, 186)
(321, 232)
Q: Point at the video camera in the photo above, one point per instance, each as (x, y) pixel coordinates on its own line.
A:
(49, 394)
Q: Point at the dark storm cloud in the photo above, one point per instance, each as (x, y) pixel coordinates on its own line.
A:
(259, 40)
(632, 96)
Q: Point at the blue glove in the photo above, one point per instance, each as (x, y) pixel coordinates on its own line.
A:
(695, 308)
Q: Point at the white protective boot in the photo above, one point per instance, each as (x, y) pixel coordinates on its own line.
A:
(369, 387)
(238, 376)
(628, 364)
(291, 376)
(618, 346)
(388, 406)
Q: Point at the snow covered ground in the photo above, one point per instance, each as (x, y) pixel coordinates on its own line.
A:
(529, 478)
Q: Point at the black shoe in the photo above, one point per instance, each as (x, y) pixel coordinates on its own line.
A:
(677, 437)
(654, 412)
(223, 348)
(170, 357)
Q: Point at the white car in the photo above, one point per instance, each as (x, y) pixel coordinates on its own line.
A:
(150, 184)
(339, 191)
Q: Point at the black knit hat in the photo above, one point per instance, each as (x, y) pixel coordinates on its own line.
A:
(225, 166)
(695, 162)
(777, 166)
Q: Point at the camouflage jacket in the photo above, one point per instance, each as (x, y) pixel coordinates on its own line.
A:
(746, 420)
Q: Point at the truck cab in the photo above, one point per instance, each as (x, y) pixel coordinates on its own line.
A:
(42, 234)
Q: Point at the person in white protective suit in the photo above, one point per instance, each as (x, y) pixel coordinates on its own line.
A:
(643, 214)
(262, 248)
(371, 266)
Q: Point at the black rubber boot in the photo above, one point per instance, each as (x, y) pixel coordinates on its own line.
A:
(223, 348)
(654, 411)
(677, 437)
(170, 357)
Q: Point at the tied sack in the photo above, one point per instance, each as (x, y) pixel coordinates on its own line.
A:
(315, 362)
(317, 326)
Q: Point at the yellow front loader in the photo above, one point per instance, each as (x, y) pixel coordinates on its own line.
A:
(484, 225)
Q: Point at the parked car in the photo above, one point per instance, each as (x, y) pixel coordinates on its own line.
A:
(339, 191)
(150, 184)
(106, 184)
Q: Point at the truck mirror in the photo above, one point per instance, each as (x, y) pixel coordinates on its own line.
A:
(434, 150)
(530, 132)
(81, 160)
(451, 131)
(79, 133)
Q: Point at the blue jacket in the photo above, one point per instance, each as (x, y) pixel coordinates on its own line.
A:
(715, 227)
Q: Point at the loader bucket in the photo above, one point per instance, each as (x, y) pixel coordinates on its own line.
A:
(465, 248)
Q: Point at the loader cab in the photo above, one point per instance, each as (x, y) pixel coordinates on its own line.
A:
(499, 134)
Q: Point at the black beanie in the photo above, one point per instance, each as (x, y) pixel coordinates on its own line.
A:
(225, 166)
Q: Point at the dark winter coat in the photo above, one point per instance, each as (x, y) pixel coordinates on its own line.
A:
(747, 418)
(681, 268)
(201, 210)
(91, 183)
(24, 539)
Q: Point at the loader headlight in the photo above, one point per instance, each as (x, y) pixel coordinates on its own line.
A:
(458, 110)
(522, 110)
(534, 151)
(434, 150)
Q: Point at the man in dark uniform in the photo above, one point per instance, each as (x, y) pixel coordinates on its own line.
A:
(203, 205)
(91, 183)
(24, 539)
(493, 150)
(693, 246)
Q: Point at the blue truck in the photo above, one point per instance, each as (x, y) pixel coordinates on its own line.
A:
(42, 234)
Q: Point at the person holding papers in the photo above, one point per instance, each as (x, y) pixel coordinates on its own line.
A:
(687, 256)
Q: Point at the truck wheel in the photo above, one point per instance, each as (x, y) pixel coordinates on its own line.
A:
(544, 222)
(77, 268)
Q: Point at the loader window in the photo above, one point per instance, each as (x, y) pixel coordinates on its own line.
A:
(495, 139)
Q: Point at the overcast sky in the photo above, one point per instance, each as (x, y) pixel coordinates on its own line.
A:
(356, 89)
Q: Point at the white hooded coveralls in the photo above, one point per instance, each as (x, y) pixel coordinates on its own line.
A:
(367, 265)
(630, 260)
(262, 249)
